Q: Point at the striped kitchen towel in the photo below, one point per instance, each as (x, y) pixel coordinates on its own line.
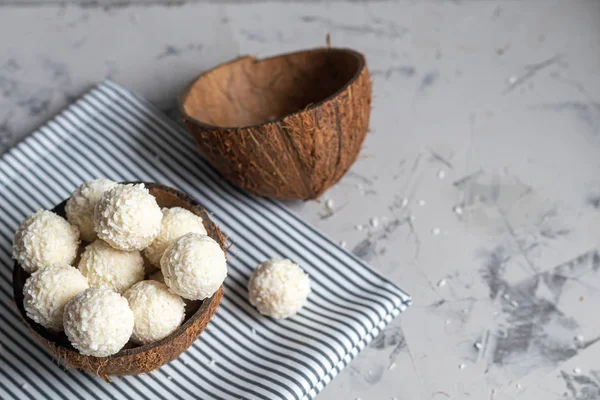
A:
(110, 132)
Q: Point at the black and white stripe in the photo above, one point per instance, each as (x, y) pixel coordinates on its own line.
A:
(112, 133)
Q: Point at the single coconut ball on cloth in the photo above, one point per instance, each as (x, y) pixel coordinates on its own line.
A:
(47, 291)
(194, 266)
(157, 312)
(44, 239)
(98, 322)
(80, 206)
(104, 265)
(278, 288)
(128, 217)
(176, 222)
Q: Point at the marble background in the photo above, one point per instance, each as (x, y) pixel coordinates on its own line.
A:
(477, 190)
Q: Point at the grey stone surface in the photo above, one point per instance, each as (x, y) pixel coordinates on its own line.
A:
(490, 106)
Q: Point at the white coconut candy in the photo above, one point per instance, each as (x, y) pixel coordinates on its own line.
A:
(157, 312)
(128, 217)
(278, 288)
(98, 322)
(194, 266)
(104, 265)
(47, 291)
(80, 206)
(44, 239)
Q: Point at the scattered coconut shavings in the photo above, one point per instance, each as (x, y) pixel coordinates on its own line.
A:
(421, 203)
(512, 79)
(343, 244)
(392, 366)
(448, 322)
(478, 345)
(169, 377)
(514, 303)
(441, 283)
(374, 221)
(577, 370)
(359, 227)
(24, 385)
(404, 202)
(441, 174)
(462, 366)
(506, 296)
(458, 210)
(518, 386)
(436, 231)
(579, 338)
(412, 218)
(253, 331)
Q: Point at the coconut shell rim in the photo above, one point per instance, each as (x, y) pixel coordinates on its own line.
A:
(182, 97)
(41, 331)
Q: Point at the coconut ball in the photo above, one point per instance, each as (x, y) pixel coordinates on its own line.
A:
(176, 222)
(46, 292)
(81, 204)
(44, 239)
(278, 288)
(157, 276)
(157, 312)
(104, 265)
(194, 266)
(98, 322)
(127, 217)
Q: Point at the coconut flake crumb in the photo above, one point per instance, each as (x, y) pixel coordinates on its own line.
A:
(404, 202)
(514, 303)
(359, 227)
(448, 322)
(458, 210)
(343, 244)
(441, 174)
(518, 386)
(421, 203)
(462, 366)
(436, 231)
(392, 366)
(441, 283)
(577, 371)
(374, 221)
(329, 204)
(478, 345)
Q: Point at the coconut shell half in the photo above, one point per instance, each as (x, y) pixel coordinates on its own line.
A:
(286, 127)
(133, 359)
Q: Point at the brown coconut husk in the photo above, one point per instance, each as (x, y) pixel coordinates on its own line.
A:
(286, 127)
(133, 359)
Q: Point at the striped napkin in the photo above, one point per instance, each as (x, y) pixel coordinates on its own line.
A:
(110, 132)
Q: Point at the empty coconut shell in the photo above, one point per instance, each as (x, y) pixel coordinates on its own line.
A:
(286, 127)
(133, 359)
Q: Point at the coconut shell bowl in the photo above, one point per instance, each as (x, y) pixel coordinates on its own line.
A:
(286, 127)
(133, 359)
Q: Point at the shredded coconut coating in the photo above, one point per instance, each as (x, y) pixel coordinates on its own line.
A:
(46, 292)
(44, 239)
(127, 217)
(80, 206)
(156, 311)
(98, 322)
(194, 266)
(157, 276)
(103, 265)
(176, 222)
(278, 288)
